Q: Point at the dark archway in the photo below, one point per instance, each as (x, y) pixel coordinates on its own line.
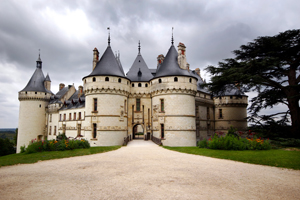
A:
(138, 131)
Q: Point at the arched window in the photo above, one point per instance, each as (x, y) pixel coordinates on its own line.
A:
(132, 85)
(106, 79)
(159, 80)
(190, 80)
(175, 79)
(119, 80)
(139, 85)
(94, 79)
(85, 81)
(146, 85)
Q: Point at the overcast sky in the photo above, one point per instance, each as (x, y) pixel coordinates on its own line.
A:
(67, 31)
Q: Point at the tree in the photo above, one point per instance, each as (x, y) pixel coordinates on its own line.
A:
(271, 67)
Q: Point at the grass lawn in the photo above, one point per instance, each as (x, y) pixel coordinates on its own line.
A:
(273, 157)
(22, 158)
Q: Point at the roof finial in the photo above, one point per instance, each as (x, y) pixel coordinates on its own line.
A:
(39, 58)
(172, 40)
(108, 36)
(139, 47)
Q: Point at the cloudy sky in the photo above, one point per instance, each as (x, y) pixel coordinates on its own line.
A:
(67, 31)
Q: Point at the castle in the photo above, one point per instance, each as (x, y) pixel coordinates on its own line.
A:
(167, 102)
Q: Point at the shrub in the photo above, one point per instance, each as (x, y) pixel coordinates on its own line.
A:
(6, 147)
(203, 143)
(54, 145)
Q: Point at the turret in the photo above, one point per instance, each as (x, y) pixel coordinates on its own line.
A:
(173, 120)
(34, 99)
(47, 82)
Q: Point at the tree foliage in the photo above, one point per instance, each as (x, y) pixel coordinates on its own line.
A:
(269, 65)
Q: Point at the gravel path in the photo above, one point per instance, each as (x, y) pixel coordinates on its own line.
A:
(143, 170)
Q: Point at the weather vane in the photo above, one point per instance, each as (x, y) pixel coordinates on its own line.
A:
(139, 47)
(108, 36)
(172, 36)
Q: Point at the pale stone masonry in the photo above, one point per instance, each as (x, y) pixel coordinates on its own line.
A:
(167, 103)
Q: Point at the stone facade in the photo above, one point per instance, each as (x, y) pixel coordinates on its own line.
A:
(109, 108)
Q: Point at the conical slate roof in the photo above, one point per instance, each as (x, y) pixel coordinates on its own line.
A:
(107, 65)
(170, 66)
(36, 83)
(47, 78)
(139, 70)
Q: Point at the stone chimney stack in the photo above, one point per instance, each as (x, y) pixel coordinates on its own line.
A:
(182, 56)
(61, 86)
(80, 91)
(160, 59)
(197, 70)
(96, 57)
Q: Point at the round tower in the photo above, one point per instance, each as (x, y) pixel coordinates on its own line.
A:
(34, 99)
(231, 110)
(173, 93)
(106, 90)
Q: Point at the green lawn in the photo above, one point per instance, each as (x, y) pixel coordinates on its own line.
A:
(273, 157)
(49, 155)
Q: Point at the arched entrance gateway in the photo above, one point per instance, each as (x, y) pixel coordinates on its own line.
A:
(138, 131)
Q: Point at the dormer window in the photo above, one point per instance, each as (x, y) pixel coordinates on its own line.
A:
(175, 79)
(94, 79)
(106, 79)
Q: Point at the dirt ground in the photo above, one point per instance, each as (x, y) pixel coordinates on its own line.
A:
(143, 170)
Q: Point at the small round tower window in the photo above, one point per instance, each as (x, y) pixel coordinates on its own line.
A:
(175, 79)
(25, 92)
(190, 80)
(139, 85)
(106, 79)
(132, 85)
(159, 80)
(94, 79)
(40, 105)
(35, 93)
(146, 85)
(119, 80)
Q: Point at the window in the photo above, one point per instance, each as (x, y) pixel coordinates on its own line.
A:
(138, 104)
(162, 105)
(35, 93)
(207, 113)
(175, 79)
(139, 85)
(54, 130)
(95, 104)
(94, 130)
(25, 92)
(125, 106)
(94, 79)
(79, 115)
(50, 116)
(40, 105)
(65, 117)
(162, 130)
(74, 118)
(146, 85)
(220, 114)
(132, 85)
(78, 129)
(59, 117)
(106, 79)
(159, 80)
(119, 80)
(70, 116)
(230, 97)
(50, 130)
(190, 80)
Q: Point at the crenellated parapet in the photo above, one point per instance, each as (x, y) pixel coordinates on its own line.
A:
(231, 101)
(34, 96)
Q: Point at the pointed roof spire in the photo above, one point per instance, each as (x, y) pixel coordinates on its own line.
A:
(172, 40)
(47, 78)
(139, 48)
(39, 61)
(108, 28)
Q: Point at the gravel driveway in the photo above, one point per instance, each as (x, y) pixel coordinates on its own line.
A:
(143, 170)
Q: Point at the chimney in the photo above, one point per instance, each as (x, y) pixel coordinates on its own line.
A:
(61, 86)
(160, 59)
(182, 56)
(80, 91)
(197, 70)
(96, 57)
